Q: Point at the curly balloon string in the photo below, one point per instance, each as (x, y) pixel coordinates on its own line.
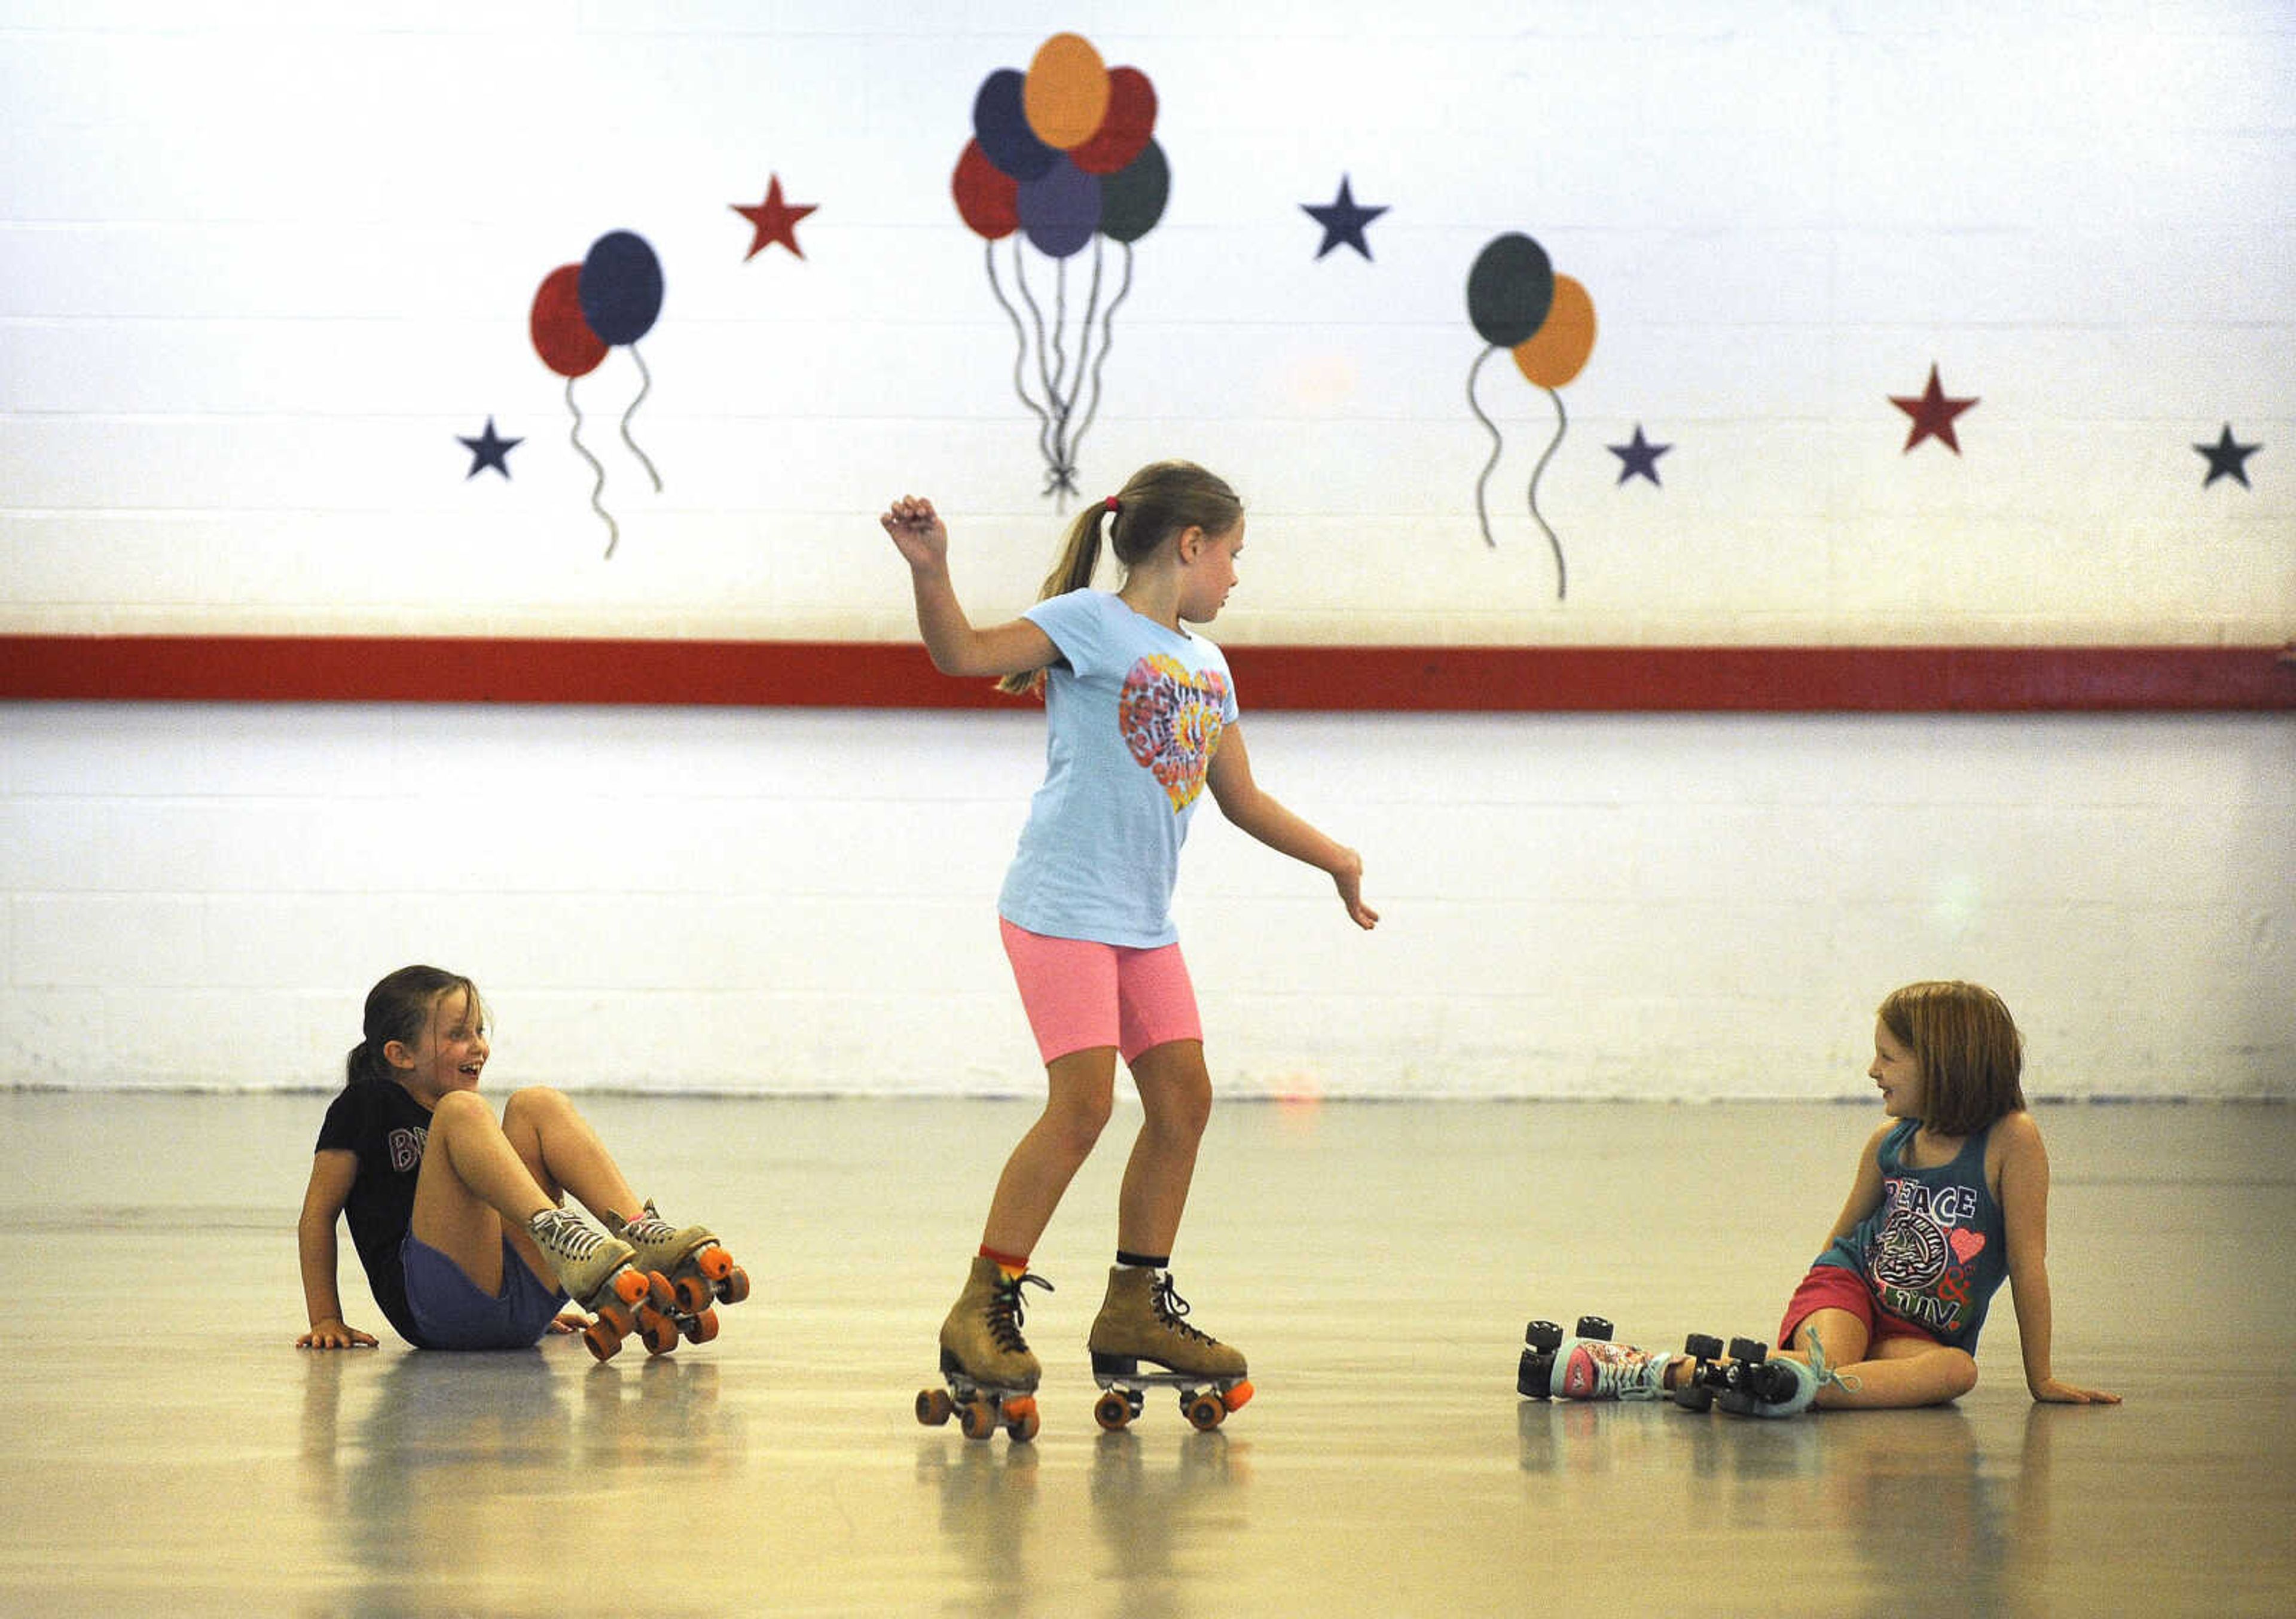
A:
(1498, 445)
(1036, 321)
(1020, 338)
(1052, 418)
(1561, 425)
(645, 386)
(574, 437)
(1107, 331)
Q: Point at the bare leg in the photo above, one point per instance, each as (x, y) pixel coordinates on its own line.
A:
(1081, 1092)
(473, 1187)
(1175, 1094)
(1897, 1374)
(565, 1156)
(492, 1178)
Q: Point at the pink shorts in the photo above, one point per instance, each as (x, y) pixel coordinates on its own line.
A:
(1080, 994)
(1834, 1288)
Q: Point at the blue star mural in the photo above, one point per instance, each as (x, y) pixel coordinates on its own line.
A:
(2227, 458)
(489, 450)
(1343, 220)
(1639, 459)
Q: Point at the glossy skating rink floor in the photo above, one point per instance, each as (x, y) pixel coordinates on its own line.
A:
(171, 1452)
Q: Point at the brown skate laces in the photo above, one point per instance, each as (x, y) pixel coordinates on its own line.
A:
(1005, 1311)
(1170, 1307)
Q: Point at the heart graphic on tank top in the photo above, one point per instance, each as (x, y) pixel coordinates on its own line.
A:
(1172, 719)
(1966, 1244)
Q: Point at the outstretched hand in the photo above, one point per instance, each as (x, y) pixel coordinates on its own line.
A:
(918, 533)
(2054, 1393)
(334, 1334)
(1348, 880)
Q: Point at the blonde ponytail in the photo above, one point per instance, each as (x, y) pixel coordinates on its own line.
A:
(1158, 501)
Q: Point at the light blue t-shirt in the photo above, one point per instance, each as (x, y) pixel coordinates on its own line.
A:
(1133, 711)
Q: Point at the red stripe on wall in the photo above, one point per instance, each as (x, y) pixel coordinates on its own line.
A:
(1395, 679)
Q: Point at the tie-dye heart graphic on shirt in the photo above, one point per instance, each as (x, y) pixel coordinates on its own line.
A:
(1172, 720)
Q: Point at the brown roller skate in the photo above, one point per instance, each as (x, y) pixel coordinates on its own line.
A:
(991, 1375)
(596, 1272)
(1141, 1320)
(691, 1264)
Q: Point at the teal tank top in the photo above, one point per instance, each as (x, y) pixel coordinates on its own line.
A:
(1935, 1249)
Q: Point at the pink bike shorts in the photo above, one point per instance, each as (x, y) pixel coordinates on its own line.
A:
(1080, 994)
(1836, 1287)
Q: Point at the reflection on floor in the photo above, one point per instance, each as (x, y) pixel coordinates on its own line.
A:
(173, 1453)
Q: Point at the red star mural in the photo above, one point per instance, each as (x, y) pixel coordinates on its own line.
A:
(774, 220)
(1933, 413)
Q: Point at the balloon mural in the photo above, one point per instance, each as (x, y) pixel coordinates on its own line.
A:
(1061, 159)
(1546, 321)
(580, 311)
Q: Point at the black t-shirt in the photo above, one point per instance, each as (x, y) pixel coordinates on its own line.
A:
(386, 1129)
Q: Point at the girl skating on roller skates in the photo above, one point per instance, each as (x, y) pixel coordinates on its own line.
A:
(1142, 716)
(1948, 1201)
(456, 1217)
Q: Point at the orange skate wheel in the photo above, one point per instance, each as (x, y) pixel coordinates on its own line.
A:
(612, 1314)
(934, 1406)
(1205, 1412)
(702, 1327)
(1023, 1426)
(1238, 1397)
(601, 1339)
(1112, 1411)
(692, 1294)
(714, 1262)
(736, 1287)
(659, 1331)
(658, 1290)
(630, 1285)
(975, 1417)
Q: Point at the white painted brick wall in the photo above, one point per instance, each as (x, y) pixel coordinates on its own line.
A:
(1648, 906)
(259, 263)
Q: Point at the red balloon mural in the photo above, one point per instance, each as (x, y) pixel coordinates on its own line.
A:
(1062, 158)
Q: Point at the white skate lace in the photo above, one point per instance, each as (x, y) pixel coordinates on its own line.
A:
(1170, 1307)
(1005, 1312)
(566, 1236)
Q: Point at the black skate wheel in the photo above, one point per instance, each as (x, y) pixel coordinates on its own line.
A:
(1702, 1346)
(1595, 1326)
(1752, 1351)
(1543, 1335)
(1773, 1382)
(1533, 1378)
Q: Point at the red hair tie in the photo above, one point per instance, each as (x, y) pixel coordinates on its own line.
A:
(1110, 502)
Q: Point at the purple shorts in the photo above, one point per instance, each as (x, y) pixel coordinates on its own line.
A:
(1080, 994)
(452, 1311)
(1837, 1287)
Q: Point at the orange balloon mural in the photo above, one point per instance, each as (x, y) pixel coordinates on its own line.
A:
(1546, 322)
